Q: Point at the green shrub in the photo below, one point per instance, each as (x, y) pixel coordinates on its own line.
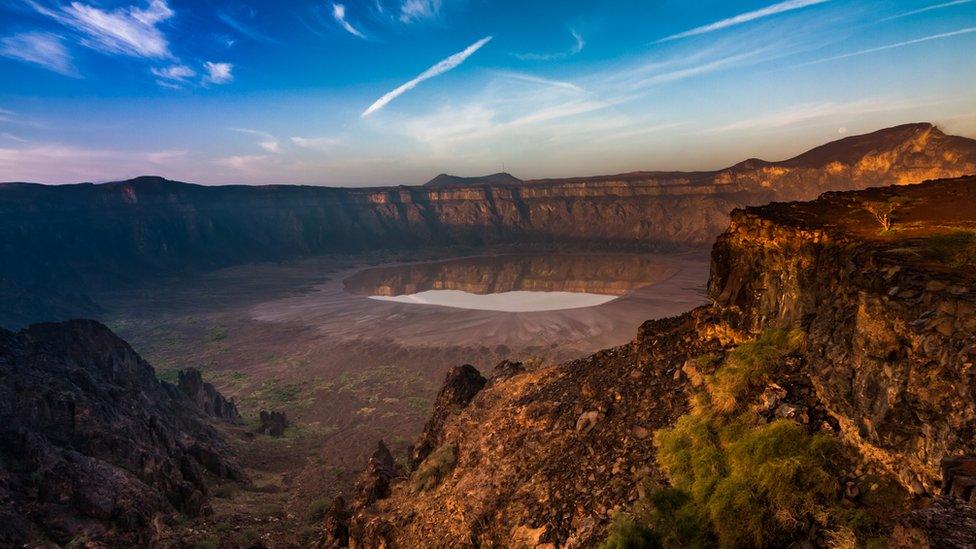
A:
(956, 249)
(748, 366)
(626, 533)
(318, 508)
(433, 470)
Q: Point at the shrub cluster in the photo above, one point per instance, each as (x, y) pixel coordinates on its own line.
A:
(433, 470)
(736, 481)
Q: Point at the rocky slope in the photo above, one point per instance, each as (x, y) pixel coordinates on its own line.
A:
(60, 240)
(543, 458)
(92, 446)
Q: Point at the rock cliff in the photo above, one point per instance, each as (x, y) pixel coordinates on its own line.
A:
(92, 446)
(60, 240)
(883, 362)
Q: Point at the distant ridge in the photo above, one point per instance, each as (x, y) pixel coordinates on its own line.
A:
(446, 180)
(60, 242)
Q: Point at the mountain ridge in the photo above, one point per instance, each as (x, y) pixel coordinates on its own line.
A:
(60, 242)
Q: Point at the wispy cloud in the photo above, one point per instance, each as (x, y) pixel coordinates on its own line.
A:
(339, 13)
(218, 73)
(438, 69)
(268, 142)
(941, 36)
(249, 164)
(577, 47)
(60, 163)
(768, 11)
(316, 143)
(244, 28)
(419, 10)
(126, 31)
(41, 48)
(820, 112)
(539, 80)
(699, 69)
(927, 8)
(173, 76)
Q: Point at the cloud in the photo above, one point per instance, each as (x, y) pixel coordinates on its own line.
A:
(316, 143)
(419, 10)
(339, 13)
(966, 30)
(774, 9)
(818, 112)
(696, 70)
(576, 48)
(250, 164)
(218, 73)
(268, 143)
(124, 31)
(42, 48)
(60, 163)
(244, 29)
(440, 68)
(927, 8)
(541, 81)
(173, 76)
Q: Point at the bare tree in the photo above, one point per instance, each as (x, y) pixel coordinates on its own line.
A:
(883, 212)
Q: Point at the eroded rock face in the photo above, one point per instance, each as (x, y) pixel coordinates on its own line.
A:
(206, 396)
(891, 330)
(460, 386)
(91, 443)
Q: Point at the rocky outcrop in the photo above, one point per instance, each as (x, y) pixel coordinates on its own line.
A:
(92, 445)
(272, 423)
(545, 457)
(206, 396)
(162, 227)
(891, 323)
(373, 483)
(460, 386)
(948, 523)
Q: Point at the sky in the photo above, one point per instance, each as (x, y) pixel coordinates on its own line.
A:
(390, 92)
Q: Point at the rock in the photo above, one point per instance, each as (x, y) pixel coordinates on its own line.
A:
(946, 523)
(373, 483)
(101, 447)
(207, 397)
(770, 397)
(460, 387)
(587, 421)
(272, 423)
(336, 530)
(508, 368)
(959, 478)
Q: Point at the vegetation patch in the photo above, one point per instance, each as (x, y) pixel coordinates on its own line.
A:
(956, 249)
(737, 481)
(435, 468)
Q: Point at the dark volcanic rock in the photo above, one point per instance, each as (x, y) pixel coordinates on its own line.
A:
(272, 423)
(374, 482)
(336, 525)
(207, 397)
(91, 443)
(460, 386)
(949, 523)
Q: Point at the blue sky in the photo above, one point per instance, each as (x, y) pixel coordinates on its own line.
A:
(396, 91)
